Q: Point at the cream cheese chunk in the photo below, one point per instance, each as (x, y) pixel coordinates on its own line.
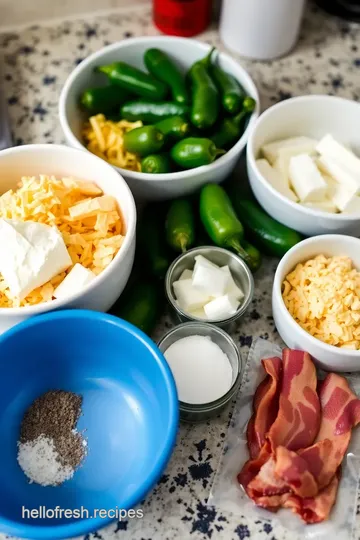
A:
(75, 281)
(31, 254)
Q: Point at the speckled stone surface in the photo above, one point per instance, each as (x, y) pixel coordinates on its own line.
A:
(37, 62)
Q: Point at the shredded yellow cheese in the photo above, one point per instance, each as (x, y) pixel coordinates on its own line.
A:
(323, 296)
(105, 139)
(90, 223)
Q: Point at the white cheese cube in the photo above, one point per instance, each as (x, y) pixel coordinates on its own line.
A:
(288, 148)
(275, 179)
(198, 313)
(281, 165)
(199, 259)
(326, 206)
(221, 308)
(339, 173)
(211, 281)
(331, 148)
(340, 194)
(186, 274)
(77, 279)
(306, 179)
(232, 289)
(188, 297)
(353, 207)
(31, 254)
(283, 160)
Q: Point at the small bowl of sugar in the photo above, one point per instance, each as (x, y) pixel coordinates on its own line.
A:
(206, 365)
(209, 284)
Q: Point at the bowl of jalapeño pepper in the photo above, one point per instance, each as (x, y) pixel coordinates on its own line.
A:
(170, 114)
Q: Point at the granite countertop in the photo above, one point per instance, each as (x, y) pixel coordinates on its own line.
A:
(37, 61)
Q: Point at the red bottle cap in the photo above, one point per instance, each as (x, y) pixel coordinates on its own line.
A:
(182, 17)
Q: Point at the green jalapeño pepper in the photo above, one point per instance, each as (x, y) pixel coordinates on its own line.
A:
(156, 164)
(205, 97)
(253, 253)
(180, 225)
(161, 67)
(232, 95)
(221, 223)
(144, 140)
(134, 80)
(103, 99)
(268, 234)
(152, 112)
(140, 305)
(231, 129)
(193, 152)
(174, 128)
(150, 240)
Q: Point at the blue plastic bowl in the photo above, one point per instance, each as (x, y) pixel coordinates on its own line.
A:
(130, 413)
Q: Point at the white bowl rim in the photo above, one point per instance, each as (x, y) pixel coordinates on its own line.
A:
(250, 155)
(75, 143)
(285, 313)
(130, 233)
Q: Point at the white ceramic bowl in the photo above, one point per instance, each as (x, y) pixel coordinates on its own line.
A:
(184, 52)
(312, 116)
(34, 159)
(328, 357)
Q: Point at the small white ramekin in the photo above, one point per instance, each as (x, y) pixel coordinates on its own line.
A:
(328, 357)
(312, 116)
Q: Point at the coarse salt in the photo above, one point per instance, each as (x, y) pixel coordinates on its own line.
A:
(40, 462)
(202, 371)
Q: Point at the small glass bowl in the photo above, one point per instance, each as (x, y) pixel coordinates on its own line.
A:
(222, 257)
(190, 412)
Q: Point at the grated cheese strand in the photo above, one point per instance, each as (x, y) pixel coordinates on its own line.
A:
(105, 139)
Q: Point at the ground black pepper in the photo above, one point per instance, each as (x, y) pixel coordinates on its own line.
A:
(55, 415)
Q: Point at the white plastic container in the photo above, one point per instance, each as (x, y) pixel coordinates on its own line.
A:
(261, 29)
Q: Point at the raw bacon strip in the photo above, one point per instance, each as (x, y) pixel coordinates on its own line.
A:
(265, 406)
(253, 466)
(315, 509)
(266, 484)
(295, 472)
(319, 462)
(296, 424)
(340, 414)
(298, 419)
(340, 408)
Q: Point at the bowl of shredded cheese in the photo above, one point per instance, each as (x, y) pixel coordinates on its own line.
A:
(67, 232)
(104, 136)
(316, 300)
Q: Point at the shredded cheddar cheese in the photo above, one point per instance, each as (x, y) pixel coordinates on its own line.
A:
(104, 138)
(323, 296)
(89, 221)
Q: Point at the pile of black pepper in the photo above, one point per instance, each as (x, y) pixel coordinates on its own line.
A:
(55, 415)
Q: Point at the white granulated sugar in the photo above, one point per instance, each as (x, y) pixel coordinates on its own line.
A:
(202, 371)
(40, 462)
